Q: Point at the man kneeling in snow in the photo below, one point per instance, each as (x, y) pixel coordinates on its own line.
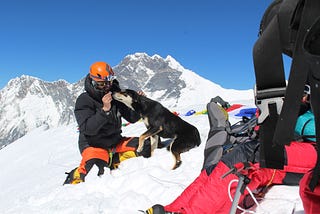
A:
(99, 120)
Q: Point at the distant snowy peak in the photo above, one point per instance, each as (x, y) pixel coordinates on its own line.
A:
(141, 58)
(174, 64)
(32, 85)
(169, 82)
(152, 74)
(29, 102)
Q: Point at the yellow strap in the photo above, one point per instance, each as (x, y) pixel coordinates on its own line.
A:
(110, 158)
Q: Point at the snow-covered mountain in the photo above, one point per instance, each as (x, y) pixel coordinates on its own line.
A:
(28, 102)
(169, 82)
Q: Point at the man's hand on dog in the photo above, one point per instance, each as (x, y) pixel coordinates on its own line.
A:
(106, 100)
(141, 93)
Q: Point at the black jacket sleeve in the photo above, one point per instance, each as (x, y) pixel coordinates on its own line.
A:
(90, 117)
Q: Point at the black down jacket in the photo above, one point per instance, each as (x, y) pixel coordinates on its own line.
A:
(98, 129)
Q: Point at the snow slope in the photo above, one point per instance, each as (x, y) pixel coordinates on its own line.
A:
(32, 173)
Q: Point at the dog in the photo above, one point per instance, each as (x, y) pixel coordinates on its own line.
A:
(160, 122)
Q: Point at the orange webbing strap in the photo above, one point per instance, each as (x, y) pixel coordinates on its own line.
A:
(272, 177)
(91, 153)
(264, 189)
(123, 145)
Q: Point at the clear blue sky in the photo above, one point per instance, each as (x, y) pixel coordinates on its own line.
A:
(59, 39)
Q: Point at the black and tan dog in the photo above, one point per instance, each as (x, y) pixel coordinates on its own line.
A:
(160, 122)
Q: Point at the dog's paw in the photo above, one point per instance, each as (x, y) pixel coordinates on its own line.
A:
(177, 164)
(139, 149)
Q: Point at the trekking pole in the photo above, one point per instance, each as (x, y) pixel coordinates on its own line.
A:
(242, 184)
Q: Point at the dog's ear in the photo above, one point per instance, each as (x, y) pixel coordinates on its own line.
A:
(115, 86)
(135, 96)
(138, 97)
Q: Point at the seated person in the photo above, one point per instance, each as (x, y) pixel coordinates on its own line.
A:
(208, 193)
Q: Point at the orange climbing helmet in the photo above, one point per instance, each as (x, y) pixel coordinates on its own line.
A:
(101, 71)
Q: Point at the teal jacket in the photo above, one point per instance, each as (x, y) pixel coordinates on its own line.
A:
(305, 125)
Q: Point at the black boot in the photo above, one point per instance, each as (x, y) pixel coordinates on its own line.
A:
(158, 209)
(74, 177)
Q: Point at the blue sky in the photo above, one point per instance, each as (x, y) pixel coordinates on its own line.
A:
(60, 39)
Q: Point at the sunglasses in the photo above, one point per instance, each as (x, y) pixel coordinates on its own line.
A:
(102, 85)
(108, 78)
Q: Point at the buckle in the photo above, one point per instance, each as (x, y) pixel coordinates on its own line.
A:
(268, 96)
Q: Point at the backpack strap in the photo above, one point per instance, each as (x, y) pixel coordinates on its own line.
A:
(269, 89)
(292, 31)
(278, 104)
(309, 10)
(315, 102)
(312, 52)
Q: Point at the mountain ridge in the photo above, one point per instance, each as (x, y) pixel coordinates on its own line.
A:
(29, 102)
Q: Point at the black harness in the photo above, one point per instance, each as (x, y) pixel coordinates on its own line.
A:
(290, 27)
